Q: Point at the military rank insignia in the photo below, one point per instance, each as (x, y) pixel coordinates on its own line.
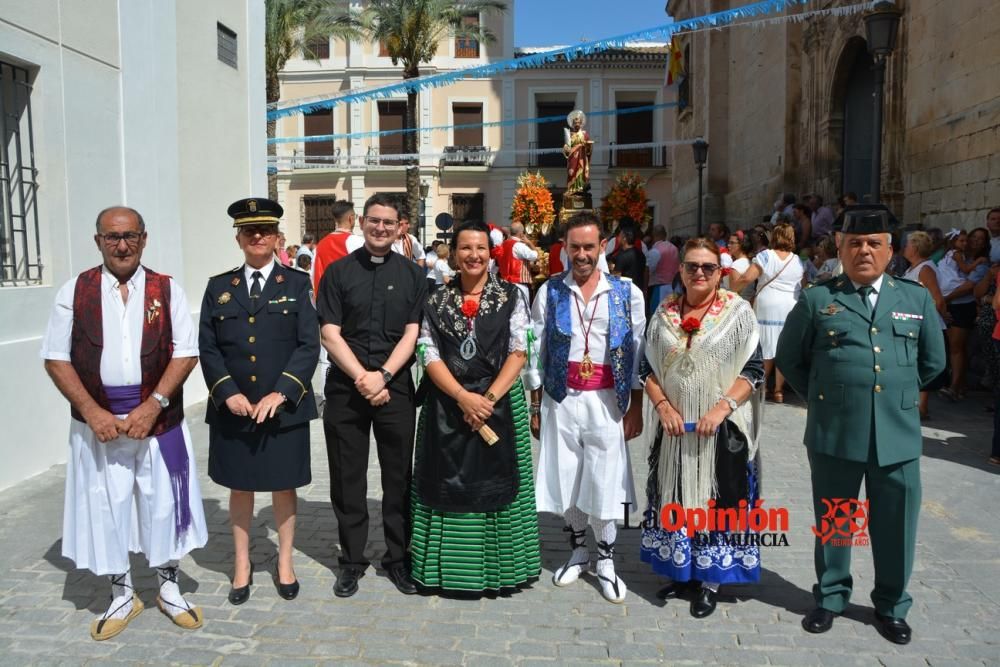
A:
(832, 309)
(279, 279)
(235, 282)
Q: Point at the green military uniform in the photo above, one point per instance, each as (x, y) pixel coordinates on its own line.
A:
(862, 372)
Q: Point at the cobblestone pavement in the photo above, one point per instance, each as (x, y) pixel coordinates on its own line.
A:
(46, 605)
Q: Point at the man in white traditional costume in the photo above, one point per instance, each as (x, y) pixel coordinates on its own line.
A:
(589, 326)
(119, 345)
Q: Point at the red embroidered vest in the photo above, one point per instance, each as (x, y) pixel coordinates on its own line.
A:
(156, 347)
(512, 269)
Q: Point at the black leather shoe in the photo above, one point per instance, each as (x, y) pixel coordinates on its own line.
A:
(818, 621)
(289, 591)
(676, 589)
(401, 578)
(704, 604)
(347, 582)
(895, 630)
(238, 596)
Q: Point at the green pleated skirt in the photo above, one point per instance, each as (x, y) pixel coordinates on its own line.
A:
(480, 551)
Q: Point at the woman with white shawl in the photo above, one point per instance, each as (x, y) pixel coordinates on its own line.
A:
(705, 372)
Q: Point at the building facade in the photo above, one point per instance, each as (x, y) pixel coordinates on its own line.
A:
(788, 108)
(155, 104)
(469, 172)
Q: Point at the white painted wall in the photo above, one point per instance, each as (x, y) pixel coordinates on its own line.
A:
(130, 105)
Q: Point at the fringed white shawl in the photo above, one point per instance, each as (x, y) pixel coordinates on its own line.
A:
(694, 379)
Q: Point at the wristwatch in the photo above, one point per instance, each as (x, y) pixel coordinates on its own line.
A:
(730, 401)
(386, 375)
(161, 399)
(490, 396)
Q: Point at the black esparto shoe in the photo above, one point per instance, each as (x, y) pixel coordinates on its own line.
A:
(818, 621)
(896, 630)
(401, 579)
(347, 582)
(238, 596)
(704, 603)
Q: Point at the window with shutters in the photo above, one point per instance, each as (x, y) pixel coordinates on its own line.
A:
(633, 128)
(318, 123)
(466, 47)
(318, 48)
(227, 45)
(468, 114)
(318, 215)
(391, 116)
(469, 206)
(20, 244)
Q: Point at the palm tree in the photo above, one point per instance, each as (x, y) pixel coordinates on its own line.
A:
(293, 27)
(410, 30)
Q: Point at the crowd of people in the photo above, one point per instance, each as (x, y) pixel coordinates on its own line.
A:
(630, 334)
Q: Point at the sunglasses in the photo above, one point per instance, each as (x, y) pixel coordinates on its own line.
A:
(707, 269)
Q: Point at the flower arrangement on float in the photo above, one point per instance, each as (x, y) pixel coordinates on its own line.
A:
(533, 205)
(626, 197)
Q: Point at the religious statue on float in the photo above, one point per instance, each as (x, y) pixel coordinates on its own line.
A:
(577, 147)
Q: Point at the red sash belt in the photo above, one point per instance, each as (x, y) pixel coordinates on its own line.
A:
(601, 379)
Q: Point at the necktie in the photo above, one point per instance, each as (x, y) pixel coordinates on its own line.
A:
(255, 287)
(865, 291)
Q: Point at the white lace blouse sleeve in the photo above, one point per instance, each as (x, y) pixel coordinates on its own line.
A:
(520, 320)
(428, 340)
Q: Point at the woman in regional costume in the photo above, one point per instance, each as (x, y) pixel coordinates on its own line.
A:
(475, 526)
(577, 148)
(706, 367)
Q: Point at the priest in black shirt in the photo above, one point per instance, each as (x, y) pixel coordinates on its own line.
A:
(370, 304)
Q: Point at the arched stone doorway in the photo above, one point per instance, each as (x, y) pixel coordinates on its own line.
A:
(851, 111)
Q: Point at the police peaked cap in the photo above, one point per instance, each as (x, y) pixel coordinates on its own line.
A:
(255, 211)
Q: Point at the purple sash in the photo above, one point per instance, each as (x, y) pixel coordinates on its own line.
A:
(123, 400)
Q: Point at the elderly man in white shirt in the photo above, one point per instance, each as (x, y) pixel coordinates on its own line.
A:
(119, 345)
(590, 328)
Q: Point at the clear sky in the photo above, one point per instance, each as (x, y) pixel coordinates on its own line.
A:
(545, 22)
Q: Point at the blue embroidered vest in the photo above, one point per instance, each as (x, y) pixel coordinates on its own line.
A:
(559, 331)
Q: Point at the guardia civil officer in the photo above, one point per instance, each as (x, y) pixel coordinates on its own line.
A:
(860, 346)
(259, 343)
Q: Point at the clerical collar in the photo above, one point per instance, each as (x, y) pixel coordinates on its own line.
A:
(376, 259)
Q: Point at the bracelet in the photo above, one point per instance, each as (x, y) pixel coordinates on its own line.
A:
(535, 409)
(657, 404)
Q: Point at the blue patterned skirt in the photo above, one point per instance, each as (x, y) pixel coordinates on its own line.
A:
(721, 557)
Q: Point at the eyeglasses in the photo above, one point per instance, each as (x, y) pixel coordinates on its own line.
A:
(262, 230)
(707, 269)
(385, 222)
(112, 239)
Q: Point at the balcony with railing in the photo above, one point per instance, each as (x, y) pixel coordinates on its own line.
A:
(654, 157)
(467, 156)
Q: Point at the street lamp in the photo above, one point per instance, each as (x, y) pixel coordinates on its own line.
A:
(425, 189)
(700, 147)
(881, 27)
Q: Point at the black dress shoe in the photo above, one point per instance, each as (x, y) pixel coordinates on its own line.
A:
(704, 604)
(347, 582)
(895, 630)
(238, 596)
(401, 578)
(288, 591)
(676, 589)
(818, 621)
